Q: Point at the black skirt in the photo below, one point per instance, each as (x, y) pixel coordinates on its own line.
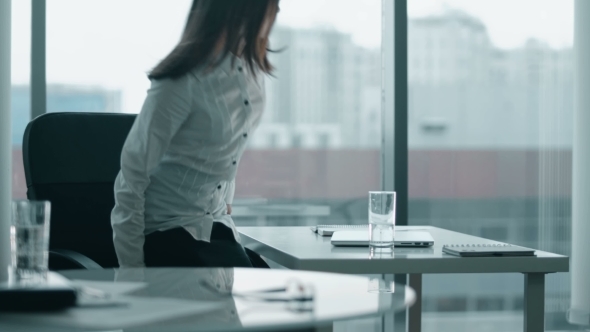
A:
(178, 248)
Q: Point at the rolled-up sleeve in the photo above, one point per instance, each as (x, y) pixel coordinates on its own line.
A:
(229, 193)
(166, 108)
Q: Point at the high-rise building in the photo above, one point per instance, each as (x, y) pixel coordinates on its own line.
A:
(318, 97)
(465, 93)
(448, 49)
(61, 98)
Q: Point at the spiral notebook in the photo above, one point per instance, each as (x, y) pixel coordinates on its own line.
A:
(484, 250)
(328, 230)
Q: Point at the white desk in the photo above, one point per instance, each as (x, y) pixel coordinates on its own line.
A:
(230, 313)
(298, 248)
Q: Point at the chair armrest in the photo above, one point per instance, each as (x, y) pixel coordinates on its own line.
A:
(72, 260)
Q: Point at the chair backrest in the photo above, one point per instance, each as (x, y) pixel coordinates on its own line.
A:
(72, 160)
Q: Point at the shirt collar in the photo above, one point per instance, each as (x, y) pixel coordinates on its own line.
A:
(230, 63)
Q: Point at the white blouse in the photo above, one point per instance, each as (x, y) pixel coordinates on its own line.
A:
(179, 162)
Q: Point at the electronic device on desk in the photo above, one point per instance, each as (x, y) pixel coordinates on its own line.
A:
(328, 230)
(52, 295)
(487, 250)
(421, 239)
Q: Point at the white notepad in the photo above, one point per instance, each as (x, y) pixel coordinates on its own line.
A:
(483, 250)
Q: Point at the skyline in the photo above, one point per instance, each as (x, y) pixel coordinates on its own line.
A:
(78, 57)
(547, 20)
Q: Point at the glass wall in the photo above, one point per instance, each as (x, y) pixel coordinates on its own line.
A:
(98, 54)
(21, 72)
(323, 117)
(318, 146)
(490, 138)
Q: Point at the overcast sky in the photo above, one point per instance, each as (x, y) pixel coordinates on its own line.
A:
(112, 43)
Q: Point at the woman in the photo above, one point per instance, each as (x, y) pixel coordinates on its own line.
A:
(175, 188)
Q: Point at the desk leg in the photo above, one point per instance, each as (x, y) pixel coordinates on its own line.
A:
(534, 302)
(388, 319)
(414, 317)
(411, 319)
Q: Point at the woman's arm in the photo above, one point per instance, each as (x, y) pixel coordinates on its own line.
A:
(166, 108)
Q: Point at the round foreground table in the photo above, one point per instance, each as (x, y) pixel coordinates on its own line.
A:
(199, 300)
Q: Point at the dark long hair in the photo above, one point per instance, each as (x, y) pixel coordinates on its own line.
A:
(236, 23)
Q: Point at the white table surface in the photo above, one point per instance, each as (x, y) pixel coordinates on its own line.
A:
(236, 314)
(300, 249)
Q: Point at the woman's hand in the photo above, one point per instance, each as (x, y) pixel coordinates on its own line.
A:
(228, 209)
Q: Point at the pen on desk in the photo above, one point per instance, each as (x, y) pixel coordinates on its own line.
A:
(94, 293)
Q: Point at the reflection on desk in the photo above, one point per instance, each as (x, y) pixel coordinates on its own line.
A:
(337, 297)
(382, 253)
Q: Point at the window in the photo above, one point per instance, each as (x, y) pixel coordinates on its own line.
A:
(98, 52)
(451, 304)
(273, 140)
(96, 60)
(326, 71)
(20, 96)
(297, 141)
(326, 84)
(502, 167)
(324, 141)
(490, 304)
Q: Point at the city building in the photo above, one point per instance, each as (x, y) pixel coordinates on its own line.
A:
(465, 93)
(321, 82)
(61, 98)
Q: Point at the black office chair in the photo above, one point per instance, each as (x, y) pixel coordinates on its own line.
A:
(72, 160)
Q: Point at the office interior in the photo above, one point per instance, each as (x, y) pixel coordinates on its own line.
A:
(473, 111)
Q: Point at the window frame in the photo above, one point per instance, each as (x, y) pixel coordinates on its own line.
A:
(394, 104)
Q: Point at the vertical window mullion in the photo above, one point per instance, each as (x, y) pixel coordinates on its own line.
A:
(394, 148)
(38, 58)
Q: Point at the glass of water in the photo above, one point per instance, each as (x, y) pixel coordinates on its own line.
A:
(29, 240)
(379, 285)
(381, 218)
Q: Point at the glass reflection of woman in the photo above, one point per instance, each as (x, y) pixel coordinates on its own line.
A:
(189, 285)
(177, 180)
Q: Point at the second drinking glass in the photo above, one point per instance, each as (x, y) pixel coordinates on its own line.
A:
(381, 218)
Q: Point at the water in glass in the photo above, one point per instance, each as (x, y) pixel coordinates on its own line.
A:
(381, 218)
(29, 240)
